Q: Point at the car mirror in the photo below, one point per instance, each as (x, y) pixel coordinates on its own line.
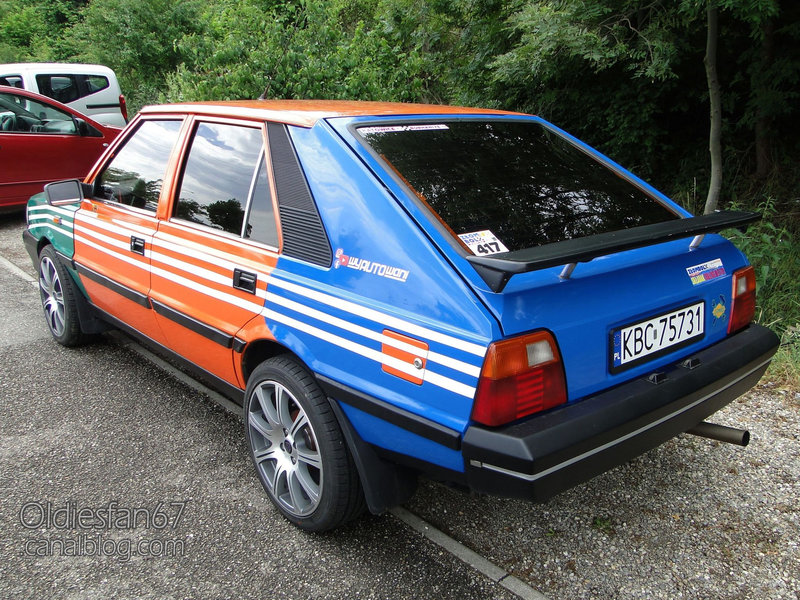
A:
(67, 191)
(86, 130)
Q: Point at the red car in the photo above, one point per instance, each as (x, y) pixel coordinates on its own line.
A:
(42, 140)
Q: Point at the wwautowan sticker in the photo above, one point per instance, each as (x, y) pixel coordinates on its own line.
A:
(370, 267)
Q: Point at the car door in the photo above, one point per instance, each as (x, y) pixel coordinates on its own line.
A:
(212, 256)
(114, 228)
(40, 143)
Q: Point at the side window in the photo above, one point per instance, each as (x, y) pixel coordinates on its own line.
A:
(95, 83)
(24, 115)
(261, 225)
(63, 88)
(136, 173)
(221, 176)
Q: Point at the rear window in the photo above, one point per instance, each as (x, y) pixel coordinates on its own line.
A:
(508, 185)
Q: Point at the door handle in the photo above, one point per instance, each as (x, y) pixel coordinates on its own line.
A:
(244, 280)
(137, 245)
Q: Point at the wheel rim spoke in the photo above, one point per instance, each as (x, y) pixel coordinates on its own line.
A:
(282, 400)
(310, 458)
(310, 487)
(300, 421)
(264, 394)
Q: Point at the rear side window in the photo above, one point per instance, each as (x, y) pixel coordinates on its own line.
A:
(136, 173)
(95, 83)
(63, 88)
(225, 181)
(520, 181)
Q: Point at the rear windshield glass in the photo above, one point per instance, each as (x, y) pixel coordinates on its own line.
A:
(511, 184)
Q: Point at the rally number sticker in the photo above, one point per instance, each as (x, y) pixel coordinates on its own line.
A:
(483, 243)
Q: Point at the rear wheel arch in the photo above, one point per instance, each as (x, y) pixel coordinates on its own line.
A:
(259, 351)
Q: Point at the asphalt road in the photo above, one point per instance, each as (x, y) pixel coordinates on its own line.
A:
(102, 432)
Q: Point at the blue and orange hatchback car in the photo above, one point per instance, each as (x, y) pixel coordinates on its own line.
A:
(391, 290)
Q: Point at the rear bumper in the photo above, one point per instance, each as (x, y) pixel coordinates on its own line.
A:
(545, 455)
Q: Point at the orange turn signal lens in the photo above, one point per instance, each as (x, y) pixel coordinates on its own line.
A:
(520, 376)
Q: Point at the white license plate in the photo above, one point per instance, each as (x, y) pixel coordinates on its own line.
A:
(643, 341)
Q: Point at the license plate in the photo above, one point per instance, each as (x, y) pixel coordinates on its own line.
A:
(637, 343)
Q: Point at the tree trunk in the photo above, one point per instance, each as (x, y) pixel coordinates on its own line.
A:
(715, 105)
(763, 119)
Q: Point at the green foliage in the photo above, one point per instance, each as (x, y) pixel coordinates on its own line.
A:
(771, 246)
(136, 38)
(313, 49)
(772, 249)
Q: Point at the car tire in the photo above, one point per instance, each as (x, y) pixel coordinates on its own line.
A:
(298, 448)
(59, 299)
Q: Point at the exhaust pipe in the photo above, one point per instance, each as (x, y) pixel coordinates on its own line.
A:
(721, 433)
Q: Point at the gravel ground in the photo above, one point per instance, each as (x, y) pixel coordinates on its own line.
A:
(692, 519)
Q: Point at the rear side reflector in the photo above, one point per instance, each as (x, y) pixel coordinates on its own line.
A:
(520, 376)
(744, 299)
(123, 107)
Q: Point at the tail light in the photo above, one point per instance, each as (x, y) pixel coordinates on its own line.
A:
(520, 376)
(123, 107)
(744, 299)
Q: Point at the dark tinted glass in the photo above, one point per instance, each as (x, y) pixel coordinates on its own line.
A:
(63, 88)
(218, 176)
(136, 173)
(95, 83)
(261, 225)
(519, 180)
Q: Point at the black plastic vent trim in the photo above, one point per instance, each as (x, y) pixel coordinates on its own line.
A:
(304, 235)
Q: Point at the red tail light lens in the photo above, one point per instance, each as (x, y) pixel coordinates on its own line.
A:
(744, 299)
(123, 107)
(520, 377)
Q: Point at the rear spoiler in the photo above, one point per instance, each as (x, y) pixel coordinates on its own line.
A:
(497, 270)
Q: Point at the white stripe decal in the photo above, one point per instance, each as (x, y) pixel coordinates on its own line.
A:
(85, 234)
(201, 252)
(253, 307)
(205, 274)
(67, 232)
(82, 233)
(109, 227)
(380, 318)
(124, 258)
(375, 355)
(452, 363)
(50, 208)
(225, 261)
(33, 220)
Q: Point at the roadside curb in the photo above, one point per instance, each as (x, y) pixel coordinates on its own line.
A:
(473, 559)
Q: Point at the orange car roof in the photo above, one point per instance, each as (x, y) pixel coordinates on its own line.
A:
(307, 112)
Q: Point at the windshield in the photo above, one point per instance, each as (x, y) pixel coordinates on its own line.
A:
(508, 185)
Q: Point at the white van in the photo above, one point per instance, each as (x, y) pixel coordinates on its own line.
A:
(90, 89)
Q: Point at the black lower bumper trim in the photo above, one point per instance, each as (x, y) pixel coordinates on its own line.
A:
(545, 455)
